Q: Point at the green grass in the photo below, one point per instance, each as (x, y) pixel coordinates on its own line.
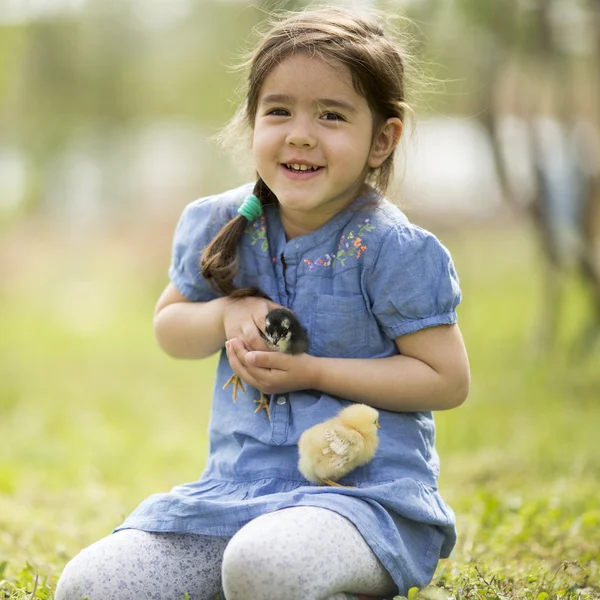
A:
(93, 418)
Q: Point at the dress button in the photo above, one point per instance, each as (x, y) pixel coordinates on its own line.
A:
(281, 400)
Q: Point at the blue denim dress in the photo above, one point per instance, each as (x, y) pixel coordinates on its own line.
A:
(364, 278)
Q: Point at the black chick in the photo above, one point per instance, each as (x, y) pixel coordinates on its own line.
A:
(283, 333)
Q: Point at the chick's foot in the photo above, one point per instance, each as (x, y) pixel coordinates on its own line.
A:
(237, 383)
(263, 402)
(336, 484)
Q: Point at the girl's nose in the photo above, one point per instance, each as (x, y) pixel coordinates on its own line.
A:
(300, 134)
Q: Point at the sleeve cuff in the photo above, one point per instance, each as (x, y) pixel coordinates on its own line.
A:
(191, 293)
(411, 326)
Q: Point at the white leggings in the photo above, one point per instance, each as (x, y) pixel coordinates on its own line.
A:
(297, 553)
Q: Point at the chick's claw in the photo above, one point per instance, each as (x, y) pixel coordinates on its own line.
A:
(263, 402)
(336, 484)
(237, 383)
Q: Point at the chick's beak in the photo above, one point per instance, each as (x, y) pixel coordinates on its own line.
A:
(377, 424)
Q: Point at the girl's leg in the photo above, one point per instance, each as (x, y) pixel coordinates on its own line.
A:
(301, 553)
(135, 565)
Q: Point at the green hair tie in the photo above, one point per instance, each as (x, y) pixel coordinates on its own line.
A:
(251, 208)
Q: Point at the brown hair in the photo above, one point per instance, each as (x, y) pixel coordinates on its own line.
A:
(377, 67)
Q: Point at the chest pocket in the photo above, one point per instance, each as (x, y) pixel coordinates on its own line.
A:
(339, 327)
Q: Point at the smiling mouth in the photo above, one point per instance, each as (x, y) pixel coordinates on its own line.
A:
(296, 168)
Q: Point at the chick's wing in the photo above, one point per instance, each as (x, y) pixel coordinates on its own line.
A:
(344, 445)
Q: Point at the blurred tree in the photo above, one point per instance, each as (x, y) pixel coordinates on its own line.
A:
(40, 112)
(526, 70)
(88, 79)
(73, 77)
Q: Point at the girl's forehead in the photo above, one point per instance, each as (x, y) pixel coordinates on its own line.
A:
(303, 76)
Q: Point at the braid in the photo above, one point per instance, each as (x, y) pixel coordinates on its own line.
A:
(219, 264)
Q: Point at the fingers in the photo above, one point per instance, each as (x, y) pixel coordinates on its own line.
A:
(245, 318)
(260, 312)
(252, 332)
(253, 338)
(267, 360)
(236, 353)
(270, 372)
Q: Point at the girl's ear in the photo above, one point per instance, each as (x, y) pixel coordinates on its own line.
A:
(385, 141)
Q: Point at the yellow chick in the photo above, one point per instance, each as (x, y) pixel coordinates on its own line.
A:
(332, 449)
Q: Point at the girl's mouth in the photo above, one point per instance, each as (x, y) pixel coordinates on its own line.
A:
(298, 171)
(299, 168)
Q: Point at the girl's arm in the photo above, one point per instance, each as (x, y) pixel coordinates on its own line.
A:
(431, 373)
(187, 329)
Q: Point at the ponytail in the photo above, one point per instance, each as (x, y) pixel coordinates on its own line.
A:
(219, 263)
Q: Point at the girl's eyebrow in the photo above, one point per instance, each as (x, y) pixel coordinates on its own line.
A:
(332, 103)
(329, 102)
(276, 99)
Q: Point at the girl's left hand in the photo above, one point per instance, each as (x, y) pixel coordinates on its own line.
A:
(271, 372)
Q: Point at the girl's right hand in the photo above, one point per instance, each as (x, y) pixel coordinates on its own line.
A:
(244, 318)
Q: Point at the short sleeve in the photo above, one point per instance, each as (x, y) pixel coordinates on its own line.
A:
(199, 223)
(412, 284)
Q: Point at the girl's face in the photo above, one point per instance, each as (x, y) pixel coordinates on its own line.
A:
(313, 140)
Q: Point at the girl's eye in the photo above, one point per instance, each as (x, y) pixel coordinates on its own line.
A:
(279, 112)
(331, 116)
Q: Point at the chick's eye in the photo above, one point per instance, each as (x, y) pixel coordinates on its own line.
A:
(331, 116)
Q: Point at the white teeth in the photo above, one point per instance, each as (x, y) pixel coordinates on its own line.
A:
(297, 167)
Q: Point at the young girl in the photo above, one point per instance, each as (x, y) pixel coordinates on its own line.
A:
(377, 295)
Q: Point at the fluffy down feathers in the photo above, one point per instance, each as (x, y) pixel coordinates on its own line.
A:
(330, 450)
(284, 333)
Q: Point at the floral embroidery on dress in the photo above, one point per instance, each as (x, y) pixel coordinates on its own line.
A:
(351, 245)
(258, 232)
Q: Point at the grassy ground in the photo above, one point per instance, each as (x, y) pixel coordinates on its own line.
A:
(93, 418)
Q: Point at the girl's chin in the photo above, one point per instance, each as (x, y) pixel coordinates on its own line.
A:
(295, 203)
(293, 196)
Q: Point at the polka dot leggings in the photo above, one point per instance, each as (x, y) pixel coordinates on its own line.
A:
(297, 553)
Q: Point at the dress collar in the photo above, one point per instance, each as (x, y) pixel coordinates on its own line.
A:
(311, 240)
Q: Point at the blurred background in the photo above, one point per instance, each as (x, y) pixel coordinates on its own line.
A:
(108, 110)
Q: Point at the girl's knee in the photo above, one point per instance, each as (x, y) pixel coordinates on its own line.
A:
(99, 571)
(295, 554)
(263, 561)
(244, 561)
(73, 580)
(251, 569)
